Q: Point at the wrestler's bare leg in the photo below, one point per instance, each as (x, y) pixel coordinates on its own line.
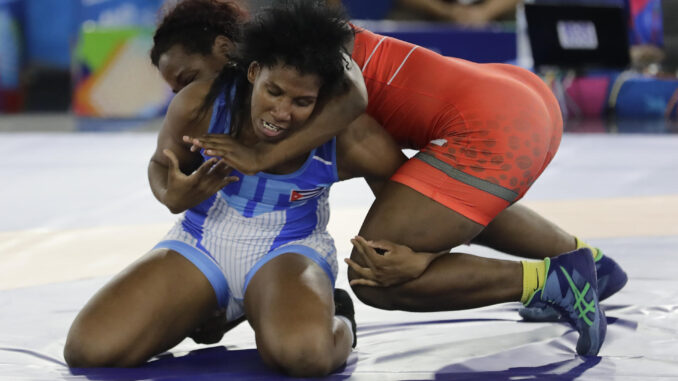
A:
(290, 305)
(455, 281)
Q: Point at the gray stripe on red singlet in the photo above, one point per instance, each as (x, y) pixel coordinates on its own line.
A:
(483, 185)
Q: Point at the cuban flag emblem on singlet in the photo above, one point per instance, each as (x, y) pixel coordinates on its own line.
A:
(299, 195)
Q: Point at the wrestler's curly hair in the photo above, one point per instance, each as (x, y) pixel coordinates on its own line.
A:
(305, 35)
(194, 24)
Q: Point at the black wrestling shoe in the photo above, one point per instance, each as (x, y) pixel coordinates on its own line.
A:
(343, 306)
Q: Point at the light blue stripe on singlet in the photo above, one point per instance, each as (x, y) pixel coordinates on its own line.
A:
(258, 195)
(262, 208)
(298, 249)
(205, 264)
(194, 220)
(248, 187)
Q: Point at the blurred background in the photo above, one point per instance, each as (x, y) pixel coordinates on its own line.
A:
(611, 63)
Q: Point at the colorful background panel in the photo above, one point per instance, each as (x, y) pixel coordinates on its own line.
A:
(115, 77)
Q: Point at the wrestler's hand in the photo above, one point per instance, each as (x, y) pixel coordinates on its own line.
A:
(398, 263)
(213, 329)
(186, 191)
(248, 160)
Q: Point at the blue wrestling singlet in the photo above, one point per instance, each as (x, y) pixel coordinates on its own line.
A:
(247, 223)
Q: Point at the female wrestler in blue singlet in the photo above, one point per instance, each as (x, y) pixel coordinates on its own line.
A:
(254, 244)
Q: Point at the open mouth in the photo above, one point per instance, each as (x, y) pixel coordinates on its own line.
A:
(270, 129)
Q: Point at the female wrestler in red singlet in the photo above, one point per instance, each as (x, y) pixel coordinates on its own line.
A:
(485, 132)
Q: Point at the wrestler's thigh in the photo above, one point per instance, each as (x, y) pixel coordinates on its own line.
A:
(406, 216)
(148, 308)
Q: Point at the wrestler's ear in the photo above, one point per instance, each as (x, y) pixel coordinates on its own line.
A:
(222, 46)
(253, 71)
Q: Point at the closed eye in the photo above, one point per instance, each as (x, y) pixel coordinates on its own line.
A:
(185, 79)
(304, 102)
(274, 91)
(188, 81)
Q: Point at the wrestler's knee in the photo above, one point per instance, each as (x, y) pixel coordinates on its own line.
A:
(90, 351)
(304, 351)
(92, 344)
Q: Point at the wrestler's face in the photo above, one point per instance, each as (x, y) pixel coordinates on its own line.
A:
(179, 68)
(282, 99)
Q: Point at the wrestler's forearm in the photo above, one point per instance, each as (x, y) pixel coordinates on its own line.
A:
(157, 179)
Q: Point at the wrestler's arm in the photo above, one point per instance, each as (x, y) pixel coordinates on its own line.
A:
(365, 149)
(179, 178)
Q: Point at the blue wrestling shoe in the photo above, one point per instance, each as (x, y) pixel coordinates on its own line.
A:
(571, 288)
(611, 279)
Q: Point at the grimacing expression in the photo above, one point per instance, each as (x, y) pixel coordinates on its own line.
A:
(179, 68)
(282, 99)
